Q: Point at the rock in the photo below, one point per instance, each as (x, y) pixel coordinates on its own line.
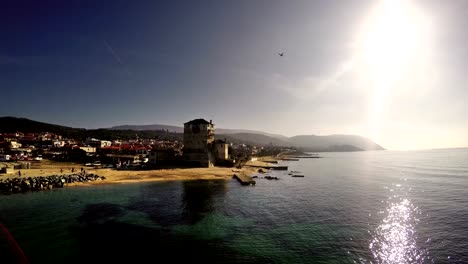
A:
(16, 185)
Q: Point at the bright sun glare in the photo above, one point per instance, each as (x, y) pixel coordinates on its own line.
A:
(391, 39)
(388, 50)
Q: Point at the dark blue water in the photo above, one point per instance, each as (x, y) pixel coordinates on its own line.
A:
(379, 207)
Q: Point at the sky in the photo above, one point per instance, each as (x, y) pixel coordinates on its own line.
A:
(390, 70)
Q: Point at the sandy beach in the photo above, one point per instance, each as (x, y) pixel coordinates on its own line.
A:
(47, 168)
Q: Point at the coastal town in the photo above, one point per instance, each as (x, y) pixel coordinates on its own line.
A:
(198, 148)
(198, 156)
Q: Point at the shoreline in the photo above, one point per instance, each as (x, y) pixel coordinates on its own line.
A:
(52, 168)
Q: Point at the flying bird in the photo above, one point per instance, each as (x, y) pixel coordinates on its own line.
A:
(281, 54)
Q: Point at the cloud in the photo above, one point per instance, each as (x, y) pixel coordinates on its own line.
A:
(307, 87)
(323, 104)
(113, 53)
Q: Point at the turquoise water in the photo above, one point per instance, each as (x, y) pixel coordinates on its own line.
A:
(379, 207)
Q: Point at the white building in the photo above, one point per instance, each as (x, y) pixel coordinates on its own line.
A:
(4, 157)
(98, 143)
(14, 145)
(88, 149)
(58, 143)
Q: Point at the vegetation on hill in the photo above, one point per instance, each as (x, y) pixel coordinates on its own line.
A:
(303, 142)
(14, 124)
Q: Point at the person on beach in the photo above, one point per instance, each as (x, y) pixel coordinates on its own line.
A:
(72, 169)
(61, 170)
(19, 173)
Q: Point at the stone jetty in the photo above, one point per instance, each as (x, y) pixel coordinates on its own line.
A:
(244, 179)
(21, 185)
(290, 159)
(268, 167)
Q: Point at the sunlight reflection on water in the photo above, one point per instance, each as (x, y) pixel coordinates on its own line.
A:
(395, 240)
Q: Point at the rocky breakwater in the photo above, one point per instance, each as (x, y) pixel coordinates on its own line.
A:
(20, 185)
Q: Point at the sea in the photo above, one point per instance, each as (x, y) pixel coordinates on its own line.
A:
(350, 207)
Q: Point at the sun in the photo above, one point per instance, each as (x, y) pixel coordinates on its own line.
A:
(391, 39)
(389, 48)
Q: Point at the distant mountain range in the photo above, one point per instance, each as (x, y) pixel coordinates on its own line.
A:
(304, 142)
(178, 129)
(313, 143)
(307, 142)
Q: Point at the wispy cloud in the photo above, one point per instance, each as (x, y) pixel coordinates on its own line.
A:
(310, 86)
(113, 53)
(117, 58)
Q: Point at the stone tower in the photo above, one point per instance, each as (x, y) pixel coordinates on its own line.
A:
(198, 142)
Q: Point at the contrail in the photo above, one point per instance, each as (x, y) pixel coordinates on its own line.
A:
(112, 51)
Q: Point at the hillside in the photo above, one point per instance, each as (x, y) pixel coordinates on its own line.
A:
(180, 129)
(10, 124)
(304, 142)
(175, 129)
(333, 143)
(253, 139)
(13, 124)
(308, 142)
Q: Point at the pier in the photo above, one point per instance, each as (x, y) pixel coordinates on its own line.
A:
(290, 159)
(244, 179)
(268, 167)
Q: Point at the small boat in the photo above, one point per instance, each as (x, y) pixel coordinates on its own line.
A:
(297, 175)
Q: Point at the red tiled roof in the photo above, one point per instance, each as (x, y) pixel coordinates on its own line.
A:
(111, 148)
(134, 147)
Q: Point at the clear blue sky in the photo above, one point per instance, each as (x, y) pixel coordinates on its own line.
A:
(103, 63)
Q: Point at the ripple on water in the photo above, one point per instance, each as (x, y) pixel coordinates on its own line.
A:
(395, 239)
